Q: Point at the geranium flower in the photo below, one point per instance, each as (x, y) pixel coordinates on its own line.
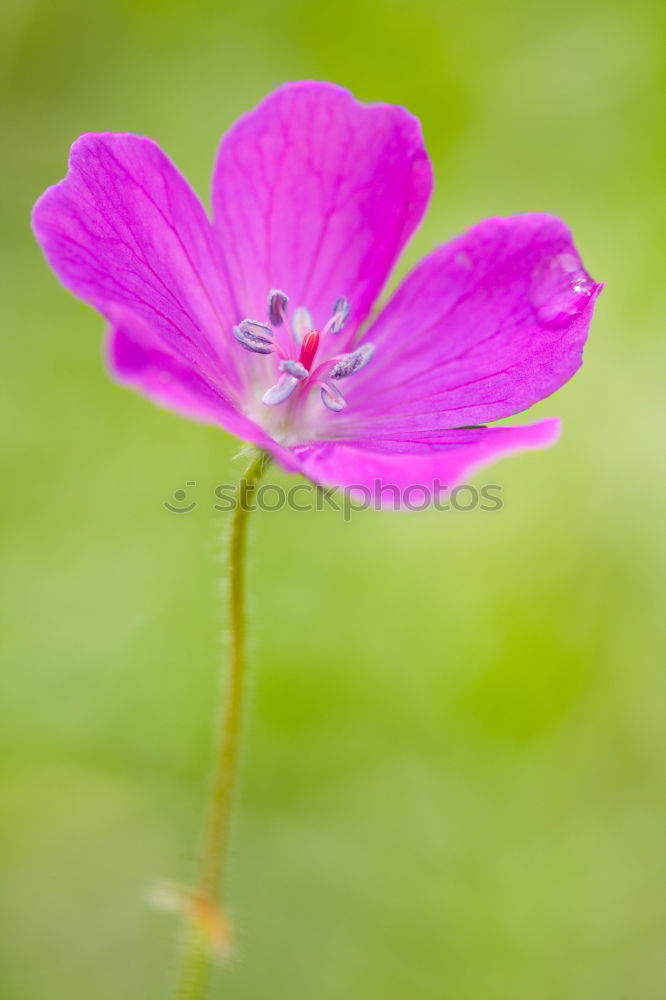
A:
(259, 320)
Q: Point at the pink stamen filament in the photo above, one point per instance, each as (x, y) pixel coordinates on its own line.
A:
(326, 365)
(285, 319)
(279, 350)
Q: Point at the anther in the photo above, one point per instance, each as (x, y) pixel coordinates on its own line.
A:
(277, 306)
(254, 336)
(340, 316)
(282, 390)
(301, 322)
(331, 397)
(351, 363)
(295, 369)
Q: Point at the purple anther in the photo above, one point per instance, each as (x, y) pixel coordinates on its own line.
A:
(301, 323)
(341, 309)
(277, 306)
(254, 336)
(282, 390)
(351, 363)
(295, 369)
(331, 397)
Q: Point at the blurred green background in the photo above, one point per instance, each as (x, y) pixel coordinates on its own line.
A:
(454, 759)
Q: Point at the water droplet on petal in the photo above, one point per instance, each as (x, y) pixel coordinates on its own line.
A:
(560, 290)
(463, 259)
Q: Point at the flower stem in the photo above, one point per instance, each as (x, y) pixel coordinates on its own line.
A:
(209, 932)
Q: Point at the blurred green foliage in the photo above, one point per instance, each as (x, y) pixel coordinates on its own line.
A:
(453, 783)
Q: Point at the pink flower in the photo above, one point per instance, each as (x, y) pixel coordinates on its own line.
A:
(259, 321)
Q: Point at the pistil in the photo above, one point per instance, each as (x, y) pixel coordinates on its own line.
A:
(309, 348)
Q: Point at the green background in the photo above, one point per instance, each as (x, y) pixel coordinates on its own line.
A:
(453, 773)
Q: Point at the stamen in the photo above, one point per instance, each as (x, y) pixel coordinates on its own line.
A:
(351, 363)
(341, 309)
(301, 322)
(331, 397)
(282, 390)
(254, 336)
(277, 306)
(258, 337)
(309, 349)
(294, 368)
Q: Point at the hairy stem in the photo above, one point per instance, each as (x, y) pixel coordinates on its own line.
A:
(208, 929)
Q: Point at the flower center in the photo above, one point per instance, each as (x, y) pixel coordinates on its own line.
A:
(296, 368)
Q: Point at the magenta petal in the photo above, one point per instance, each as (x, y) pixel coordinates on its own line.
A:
(316, 194)
(138, 362)
(483, 328)
(125, 233)
(434, 462)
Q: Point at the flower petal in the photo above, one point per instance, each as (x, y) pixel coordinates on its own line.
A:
(126, 233)
(138, 361)
(482, 329)
(316, 193)
(396, 470)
